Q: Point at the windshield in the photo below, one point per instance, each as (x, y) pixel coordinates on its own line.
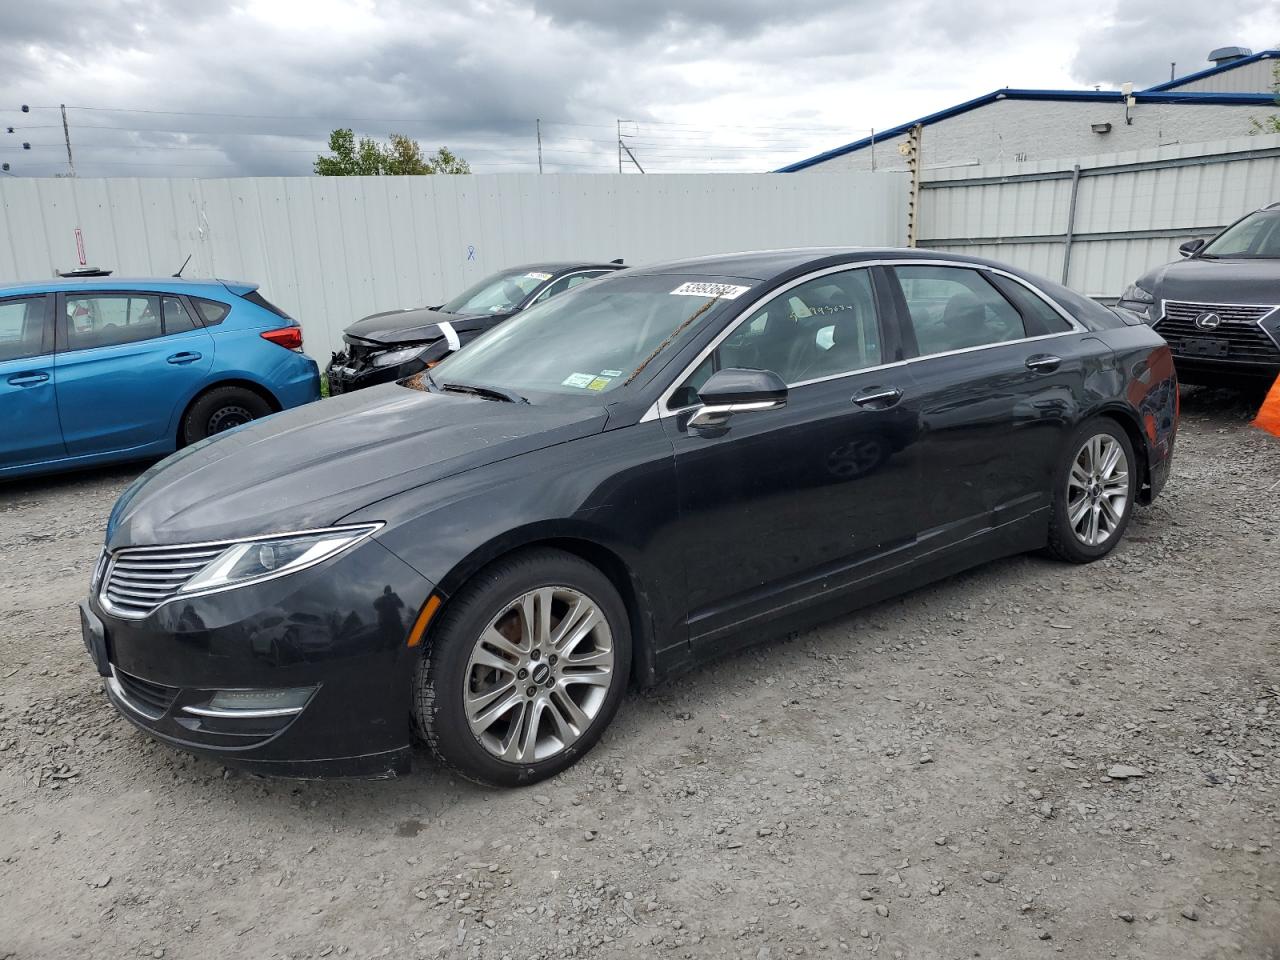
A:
(500, 293)
(590, 340)
(1257, 236)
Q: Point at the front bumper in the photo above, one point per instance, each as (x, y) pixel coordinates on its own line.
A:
(338, 629)
(345, 375)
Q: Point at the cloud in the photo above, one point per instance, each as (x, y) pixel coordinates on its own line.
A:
(239, 87)
(1141, 38)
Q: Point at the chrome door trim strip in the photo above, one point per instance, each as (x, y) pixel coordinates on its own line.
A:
(658, 409)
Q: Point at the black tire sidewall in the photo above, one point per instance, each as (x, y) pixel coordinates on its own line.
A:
(438, 682)
(1063, 540)
(195, 425)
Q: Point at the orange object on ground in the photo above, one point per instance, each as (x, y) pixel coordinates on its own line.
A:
(1268, 417)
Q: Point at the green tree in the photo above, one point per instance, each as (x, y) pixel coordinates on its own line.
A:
(1269, 124)
(350, 159)
(401, 157)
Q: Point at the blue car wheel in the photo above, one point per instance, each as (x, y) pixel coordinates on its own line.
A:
(221, 409)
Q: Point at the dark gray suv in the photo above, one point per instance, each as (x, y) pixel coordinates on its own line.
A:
(1219, 307)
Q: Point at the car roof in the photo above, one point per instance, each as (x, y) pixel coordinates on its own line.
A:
(163, 284)
(765, 264)
(562, 266)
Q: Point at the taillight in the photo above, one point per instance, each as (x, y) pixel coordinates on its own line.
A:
(288, 337)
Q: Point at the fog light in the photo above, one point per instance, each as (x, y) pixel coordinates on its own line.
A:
(254, 703)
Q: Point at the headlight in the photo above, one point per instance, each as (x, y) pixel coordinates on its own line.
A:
(251, 561)
(396, 357)
(1137, 294)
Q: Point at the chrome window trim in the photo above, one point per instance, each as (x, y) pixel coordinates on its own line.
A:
(1164, 313)
(659, 409)
(370, 529)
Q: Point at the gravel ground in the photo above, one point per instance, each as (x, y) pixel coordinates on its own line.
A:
(926, 778)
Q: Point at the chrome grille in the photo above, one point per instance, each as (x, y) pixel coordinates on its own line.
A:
(1241, 328)
(141, 579)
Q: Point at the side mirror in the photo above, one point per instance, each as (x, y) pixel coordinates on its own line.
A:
(1191, 247)
(732, 391)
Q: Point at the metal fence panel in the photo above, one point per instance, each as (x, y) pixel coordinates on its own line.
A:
(332, 250)
(1132, 209)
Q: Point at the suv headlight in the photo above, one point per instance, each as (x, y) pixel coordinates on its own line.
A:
(396, 357)
(1137, 294)
(251, 561)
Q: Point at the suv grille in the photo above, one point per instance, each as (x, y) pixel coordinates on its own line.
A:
(140, 580)
(1240, 328)
(151, 699)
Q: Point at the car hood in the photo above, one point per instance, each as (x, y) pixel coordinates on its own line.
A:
(407, 326)
(1216, 281)
(312, 465)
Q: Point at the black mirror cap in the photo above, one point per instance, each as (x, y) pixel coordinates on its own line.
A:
(1191, 247)
(742, 386)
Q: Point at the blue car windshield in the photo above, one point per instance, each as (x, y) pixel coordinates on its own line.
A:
(593, 339)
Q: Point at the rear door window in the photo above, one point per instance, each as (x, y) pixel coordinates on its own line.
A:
(110, 319)
(953, 308)
(22, 328)
(177, 319)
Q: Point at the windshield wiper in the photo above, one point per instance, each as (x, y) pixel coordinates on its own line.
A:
(488, 393)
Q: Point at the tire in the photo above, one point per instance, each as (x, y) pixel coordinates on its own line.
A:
(1087, 488)
(537, 707)
(221, 409)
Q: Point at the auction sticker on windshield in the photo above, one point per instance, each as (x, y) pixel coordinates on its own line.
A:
(720, 291)
(538, 276)
(578, 380)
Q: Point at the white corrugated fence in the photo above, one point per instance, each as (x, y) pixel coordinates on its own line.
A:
(332, 250)
(1130, 211)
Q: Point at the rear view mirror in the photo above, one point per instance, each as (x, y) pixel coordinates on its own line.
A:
(732, 391)
(1191, 247)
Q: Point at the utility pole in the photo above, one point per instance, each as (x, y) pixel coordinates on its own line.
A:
(66, 135)
(539, 129)
(910, 149)
(873, 149)
(619, 146)
(632, 156)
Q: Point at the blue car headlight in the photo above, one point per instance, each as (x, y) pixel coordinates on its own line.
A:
(252, 561)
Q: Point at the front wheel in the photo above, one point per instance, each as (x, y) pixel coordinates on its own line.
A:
(1094, 491)
(525, 669)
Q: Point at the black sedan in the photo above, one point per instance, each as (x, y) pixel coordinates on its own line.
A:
(399, 343)
(1219, 308)
(638, 475)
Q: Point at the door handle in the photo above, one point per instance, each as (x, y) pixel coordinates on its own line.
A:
(1043, 361)
(185, 356)
(874, 395)
(28, 379)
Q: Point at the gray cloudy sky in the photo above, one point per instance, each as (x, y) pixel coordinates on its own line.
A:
(239, 87)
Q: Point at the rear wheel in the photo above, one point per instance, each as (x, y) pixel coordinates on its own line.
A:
(1094, 491)
(525, 669)
(221, 409)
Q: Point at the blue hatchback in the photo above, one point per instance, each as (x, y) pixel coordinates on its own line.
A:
(94, 370)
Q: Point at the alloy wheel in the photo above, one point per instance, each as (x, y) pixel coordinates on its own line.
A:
(538, 675)
(1098, 490)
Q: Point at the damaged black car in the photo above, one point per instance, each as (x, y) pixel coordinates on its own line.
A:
(399, 343)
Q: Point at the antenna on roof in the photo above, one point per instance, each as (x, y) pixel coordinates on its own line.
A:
(183, 267)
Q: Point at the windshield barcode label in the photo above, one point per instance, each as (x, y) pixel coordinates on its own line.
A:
(720, 291)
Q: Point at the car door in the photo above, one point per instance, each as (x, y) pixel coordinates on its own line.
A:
(781, 506)
(998, 373)
(126, 364)
(28, 404)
